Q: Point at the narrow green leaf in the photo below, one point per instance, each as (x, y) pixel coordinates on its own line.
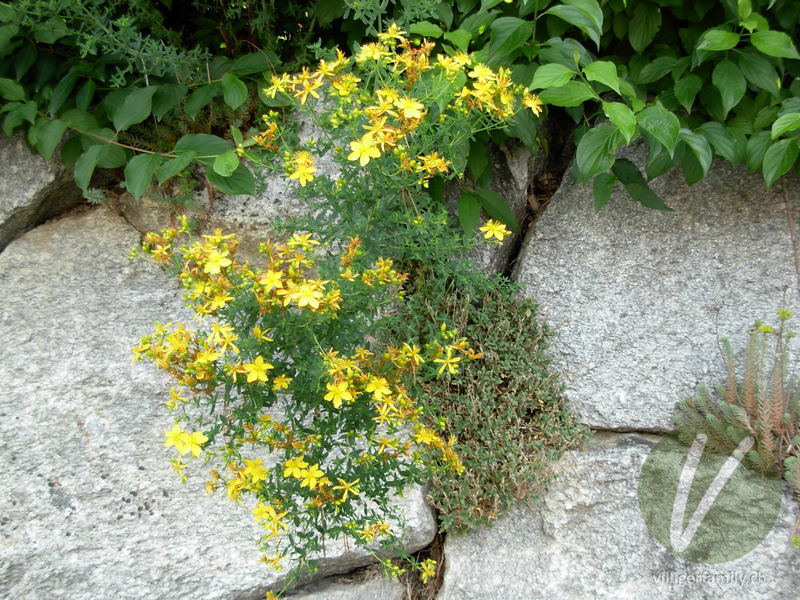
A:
(496, 206)
(426, 29)
(717, 39)
(644, 25)
(728, 79)
(788, 122)
(573, 93)
(622, 116)
(551, 75)
(779, 158)
(469, 211)
(601, 189)
(604, 72)
(135, 108)
(596, 150)
(699, 146)
(686, 89)
(174, 166)
(49, 136)
(234, 90)
(240, 182)
(139, 173)
(662, 125)
(774, 43)
(11, 90)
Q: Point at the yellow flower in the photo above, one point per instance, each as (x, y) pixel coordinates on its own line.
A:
(311, 477)
(495, 229)
(216, 260)
(281, 382)
(392, 33)
(425, 436)
(346, 488)
(279, 84)
(410, 108)
(533, 102)
(175, 438)
(427, 569)
(482, 73)
(364, 149)
(260, 334)
(378, 387)
(257, 370)
(271, 280)
(373, 51)
(450, 362)
(303, 167)
(255, 470)
(294, 467)
(337, 393)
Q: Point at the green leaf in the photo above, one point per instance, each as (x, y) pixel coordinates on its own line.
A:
(551, 75)
(200, 98)
(759, 71)
(756, 149)
(70, 151)
(62, 91)
(579, 18)
(49, 136)
(459, 38)
(479, 162)
(84, 166)
(524, 126)
(631, 178)
(205, 146)
(11, 90)
(779, 158)
(234, 91)
(167, 97)
(85, 95)
(172, 167)
(656, 69)
(80, 119)
(604, 72)
(135, 108)
(686, 89)
(724, 143)
(730, 82)
(226, 164)
(662, 125)
(139, 173)
(469, 211)
(717, 39)
(744, 8)
(621, 116)
(699, 146)
(658, 159)
(597, 150)
(426, 29)
(573, 93)
(50, 31)
(508, 34)
(240, 182)
(787, 122)
(601, 189)
(774, 43)
(248, 64)
(496, 206)
(644, 25)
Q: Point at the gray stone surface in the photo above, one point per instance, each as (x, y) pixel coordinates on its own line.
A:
(376, 588)
(586, 538)
(89, 506)
(641, 297)
(32, 189)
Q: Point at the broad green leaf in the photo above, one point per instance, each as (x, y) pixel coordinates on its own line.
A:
(139, 173)
(240, 182)
(70, 151)
(80, 119)
(206, 146)
(49, 136)
(744, 8)
(496, 206)
(234, 91)
(580, 19)
(597, 150)
(426, 29)
(723, 141)
(167, 97)
(200, 98)
(601, 189)
(84, 166)
(250, 63)
(135, 108)
(11, 90)
(658, 159)
(621, 116)
(469, 211)
(630, 177)
(50, 31)
(172, 167)
(226, 164)
(573, 93)
(774, 43)
(788, 122)
(717, 39)
(459, 38)
(479, 162)
(699, 146)
(779, 158)
(730, 82)
(525, 127)
(686, 89)
(551, 75)
(7, 33)
(604, 72)
(656, 69)
(662, 125)
(644, 25)
(508, 34)
(62, 91)
(85, 95)
(759, 71)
